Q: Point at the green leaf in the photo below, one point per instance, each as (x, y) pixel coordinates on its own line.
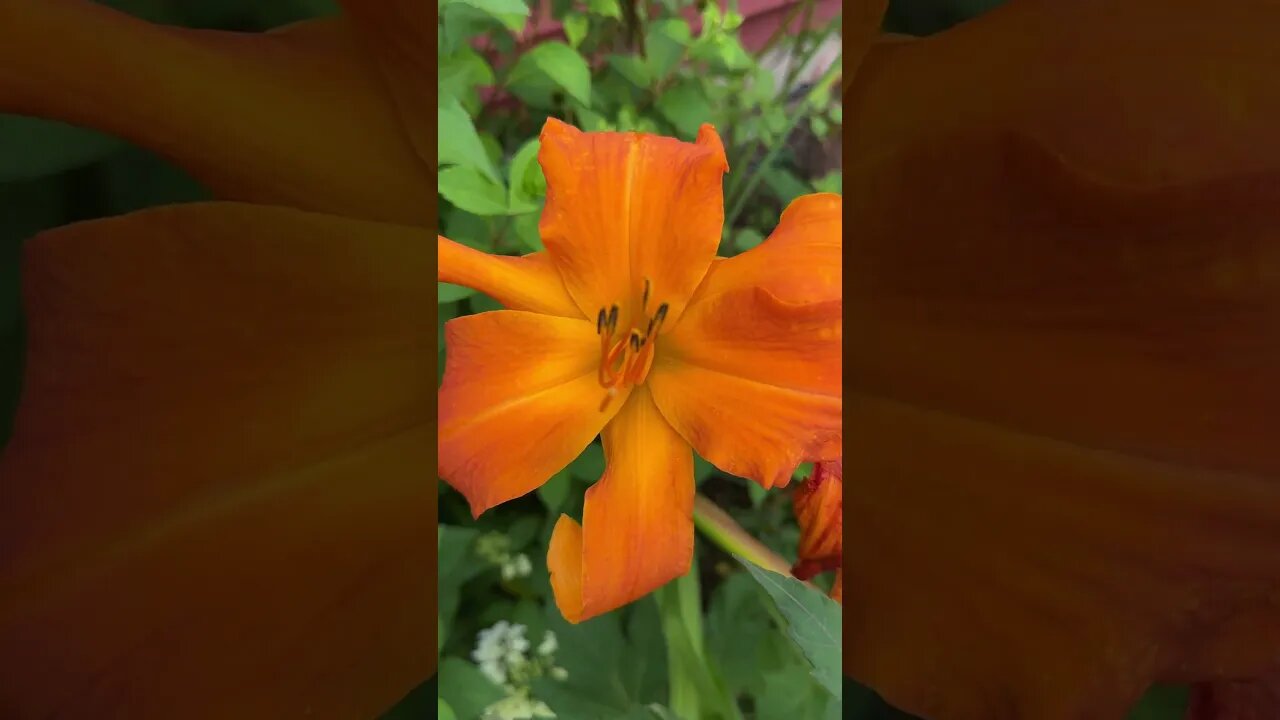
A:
(685, 105)
(696, 691)
(1162, 702)
(526, 230)
(832, 182)
(702, 470)
(448, 292)
(32, 148)
(665, 43)
(465, 689)
(468, 189)
(747, 238)
(528, 184)
(632, 68)
(513, 14)
(588, 466)
(461, 73)
(575, 28)
(443, 711)
(559, 62)
(458, 143)
(605, 8)
(813, 623)
(555, 491)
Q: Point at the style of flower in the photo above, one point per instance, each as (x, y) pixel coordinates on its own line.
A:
(819, 509)
(218, 483)
(630, 328)
(1066, 378)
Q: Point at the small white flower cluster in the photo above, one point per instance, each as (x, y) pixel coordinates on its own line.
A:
(501, 654)
(496, 548)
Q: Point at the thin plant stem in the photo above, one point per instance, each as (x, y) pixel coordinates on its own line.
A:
(718, 527)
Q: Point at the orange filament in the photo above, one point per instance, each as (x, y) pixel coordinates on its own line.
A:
(625, 359)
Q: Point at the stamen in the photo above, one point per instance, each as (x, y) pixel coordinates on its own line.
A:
(644, 304)
(636, 340)
(600, 318)
(659, 316)
(613, 319)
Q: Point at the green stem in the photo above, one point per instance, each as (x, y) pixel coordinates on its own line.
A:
(740, 203)
(728, 535)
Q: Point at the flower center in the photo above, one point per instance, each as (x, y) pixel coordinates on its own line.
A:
(626, 356)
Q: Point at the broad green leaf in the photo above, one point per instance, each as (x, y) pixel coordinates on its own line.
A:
(443, 711)
(458, 143)
(696, 689)
(555, 491)
(702, 470)
(665, 42)
(632, 68)
(576, 26)
(513, 14)
(461, 73)
(526, 230)
(588, 466)
(527, 183)
(465, 689)
(596, 655)
(605, 8)
(32, 148)
(135, 179)
(448, 292)
(747, 238)
(685, 106)
(562, 64)
(468, 189)
(832, 182)
(813, 623)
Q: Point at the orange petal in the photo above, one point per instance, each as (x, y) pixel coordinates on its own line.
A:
(519, 401)
(800, 261)
(1235, 700)
(1074, 578)
(520, 283)
(754, 383)
(820, 514)
(1065, 379)
(622, 207)
(861, 30)
(396, 33)
(297, 117)
(1140, 103)
(637, 526)
(221, 436)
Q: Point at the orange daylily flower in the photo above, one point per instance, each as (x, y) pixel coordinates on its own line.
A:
(1066, 379)
(819, 509)
(629, 327)
(218, 483)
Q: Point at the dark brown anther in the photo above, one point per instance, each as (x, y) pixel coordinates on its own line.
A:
(644, 303)
(600, 318)
(661, 315)
(613, 319)
(636, 340)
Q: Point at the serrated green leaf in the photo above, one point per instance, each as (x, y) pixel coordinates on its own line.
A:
(457, 141)
(562, 64)
(813, 623)
(466, 188)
